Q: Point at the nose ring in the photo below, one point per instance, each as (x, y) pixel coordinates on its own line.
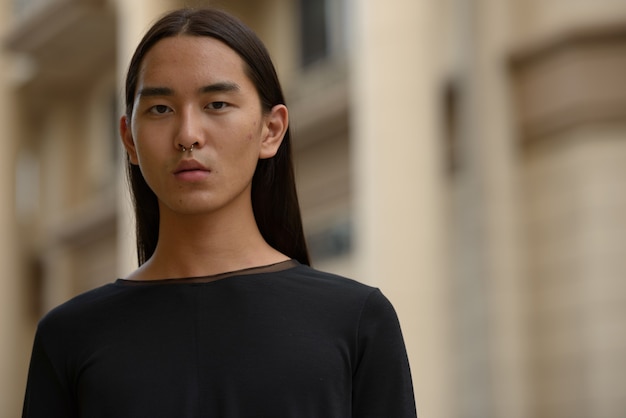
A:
(184, 149)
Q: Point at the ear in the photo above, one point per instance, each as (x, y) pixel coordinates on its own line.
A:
(276, 123)
(127, 139)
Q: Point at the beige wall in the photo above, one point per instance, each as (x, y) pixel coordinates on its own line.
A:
(487, 253)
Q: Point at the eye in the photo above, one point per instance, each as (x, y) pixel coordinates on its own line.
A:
(217, 105)
(160, 109)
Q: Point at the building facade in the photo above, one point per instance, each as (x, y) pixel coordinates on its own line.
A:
(465, 156)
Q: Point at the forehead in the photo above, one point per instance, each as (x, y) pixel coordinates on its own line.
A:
(189, 59)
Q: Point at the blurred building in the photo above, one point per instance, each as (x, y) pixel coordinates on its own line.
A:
(465, 156)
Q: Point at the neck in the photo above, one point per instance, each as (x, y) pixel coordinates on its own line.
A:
(202, 245)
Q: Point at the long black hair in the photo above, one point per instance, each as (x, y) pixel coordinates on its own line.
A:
(274, 198)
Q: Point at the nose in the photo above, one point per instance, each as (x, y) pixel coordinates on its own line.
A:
(190, 133)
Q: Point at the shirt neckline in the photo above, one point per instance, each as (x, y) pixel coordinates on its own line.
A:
(269, 268)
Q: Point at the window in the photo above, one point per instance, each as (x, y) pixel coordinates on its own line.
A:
(313, 31)
(322, 30)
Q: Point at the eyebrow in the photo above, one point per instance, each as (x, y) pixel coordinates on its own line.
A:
(221, 87)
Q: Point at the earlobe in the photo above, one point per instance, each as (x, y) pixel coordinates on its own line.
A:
(276, 123)
(127, 140)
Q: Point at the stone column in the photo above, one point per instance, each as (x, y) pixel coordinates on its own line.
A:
(493, 163)
(397, 181)
(571, 96)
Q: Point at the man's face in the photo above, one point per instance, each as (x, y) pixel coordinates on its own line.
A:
(193, 91)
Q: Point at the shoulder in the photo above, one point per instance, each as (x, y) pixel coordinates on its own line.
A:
(375, 305)
(313, 279)
(304, 272)
(331, 289)
(78, 310)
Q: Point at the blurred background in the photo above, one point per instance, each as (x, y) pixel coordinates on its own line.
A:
(468, 157)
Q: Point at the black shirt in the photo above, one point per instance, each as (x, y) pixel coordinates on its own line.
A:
(284, 341)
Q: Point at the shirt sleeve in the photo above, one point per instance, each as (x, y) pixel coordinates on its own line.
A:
(46, 394)
(382, 385)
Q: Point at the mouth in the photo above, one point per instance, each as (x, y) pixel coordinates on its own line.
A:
(189, 165)
(191, 170)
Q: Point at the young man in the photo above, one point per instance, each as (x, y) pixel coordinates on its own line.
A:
(224, 317)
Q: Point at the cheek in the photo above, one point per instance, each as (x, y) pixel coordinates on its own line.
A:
(142, 153)
(148, 157)
(153, 138)
(255, 131)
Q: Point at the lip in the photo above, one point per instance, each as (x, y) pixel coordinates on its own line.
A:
(191, 170)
